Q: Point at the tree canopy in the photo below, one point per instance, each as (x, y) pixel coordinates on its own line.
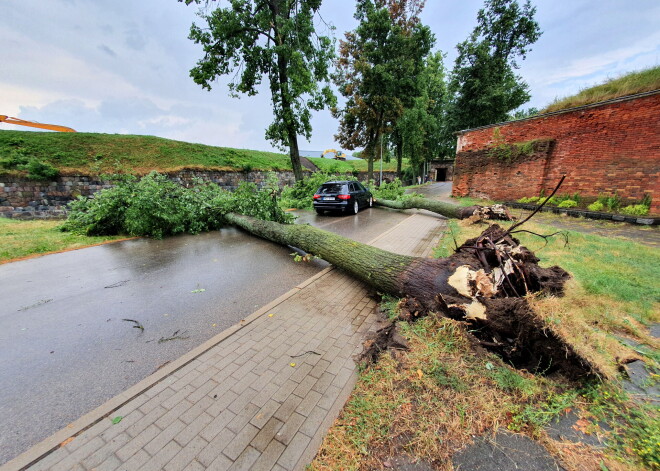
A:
(276, 39)
(377, 71)
(483, 82)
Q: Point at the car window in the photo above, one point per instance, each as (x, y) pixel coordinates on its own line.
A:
(329, 188)
(360, 187)
(353, 187)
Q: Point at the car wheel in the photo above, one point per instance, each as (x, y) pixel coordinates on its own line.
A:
(356, 207)
(371, 202)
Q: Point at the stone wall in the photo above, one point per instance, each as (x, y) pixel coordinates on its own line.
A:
(29, 199)
(607, 148)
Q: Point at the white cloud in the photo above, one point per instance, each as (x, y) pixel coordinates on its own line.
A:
(602, 62)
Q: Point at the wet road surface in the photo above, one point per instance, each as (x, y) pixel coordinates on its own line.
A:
(65, 347)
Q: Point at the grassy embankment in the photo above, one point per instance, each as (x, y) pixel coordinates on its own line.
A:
(93, 154)
(430, 401)
(636, 82)
(21, 239)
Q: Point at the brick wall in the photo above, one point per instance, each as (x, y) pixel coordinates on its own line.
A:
(602, 149)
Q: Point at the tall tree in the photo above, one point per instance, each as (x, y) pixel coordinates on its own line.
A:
(484, 84)
(418, 133)
(275, 39)
(377, 71)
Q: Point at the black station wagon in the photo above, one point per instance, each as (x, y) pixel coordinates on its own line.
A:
(345, 196)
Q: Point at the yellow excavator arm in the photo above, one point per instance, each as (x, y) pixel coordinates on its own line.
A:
(34, 124)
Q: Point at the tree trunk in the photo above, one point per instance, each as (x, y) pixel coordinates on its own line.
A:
(294, 154)
(473, 285)
(449, 210)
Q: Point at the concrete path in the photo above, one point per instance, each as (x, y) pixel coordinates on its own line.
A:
(261, 395)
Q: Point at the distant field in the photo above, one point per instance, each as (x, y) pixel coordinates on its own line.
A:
(93, 154)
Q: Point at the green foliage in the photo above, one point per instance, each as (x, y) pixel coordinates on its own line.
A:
(509, 152)
(567, 204)
(300, 194)
(531, 199)
(636, 427)
(541, 414)
(155, 206)
(635, 210)
(510, 380)
(252, 39)
(38, 170)
(378, 72)
(612, 203)
(17, 157)
(596, 206)
(483, 83)
(389, 191)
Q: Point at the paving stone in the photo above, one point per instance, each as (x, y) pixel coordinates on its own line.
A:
(290, 428)
(308, 403)
(242, 418)
(164, 438)
(503, 452)
(240, 441)
(138, 442)
(193, 429)
(186, 455)
(164, 455)
(294, 451)
(269, 457)
(213, 450)
(287, 408)
(267, 434)
(106, 451)
(266, 412)
(217, 425)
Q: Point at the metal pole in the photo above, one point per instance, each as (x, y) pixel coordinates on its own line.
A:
(381, 159)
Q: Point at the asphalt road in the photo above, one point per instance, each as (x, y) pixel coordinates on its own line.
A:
(65, 346)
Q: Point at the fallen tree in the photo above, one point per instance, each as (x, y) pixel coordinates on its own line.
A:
(483, 284)
(449, 210)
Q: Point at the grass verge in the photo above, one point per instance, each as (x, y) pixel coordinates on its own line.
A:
(430, 401)
(20, 239)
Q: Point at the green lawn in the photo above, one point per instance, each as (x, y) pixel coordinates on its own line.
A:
(20, 239)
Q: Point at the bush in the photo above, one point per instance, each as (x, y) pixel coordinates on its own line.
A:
(635, 210)
(38, 170)
(567, 204)
(156, 207)
(596, 206)
(388, 191)
(531, 199)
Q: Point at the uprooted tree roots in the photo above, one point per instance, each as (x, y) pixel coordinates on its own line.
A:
(491, 276)
(484, 284)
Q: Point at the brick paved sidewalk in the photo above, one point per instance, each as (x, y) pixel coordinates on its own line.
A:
(259, 396)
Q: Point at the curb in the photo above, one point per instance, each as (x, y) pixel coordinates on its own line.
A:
(647, 221)
(39, 451)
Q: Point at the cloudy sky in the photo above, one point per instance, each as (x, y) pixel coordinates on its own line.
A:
(121, 66)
